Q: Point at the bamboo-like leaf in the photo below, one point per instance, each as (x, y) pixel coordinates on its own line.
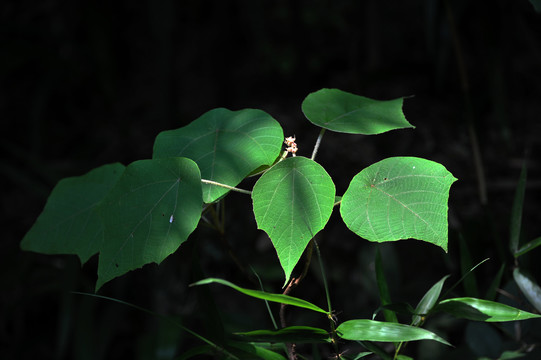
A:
(516, 211)
(291, 334)
(483, 310)
(278, 298)
(370, 330)
(384, 294)
(529, 288)
(528, 247)
(428, 301)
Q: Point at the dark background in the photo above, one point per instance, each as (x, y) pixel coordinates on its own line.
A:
(93, 82)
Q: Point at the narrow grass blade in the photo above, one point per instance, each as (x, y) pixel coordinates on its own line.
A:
(516, 212)
(384, 295)
(279, 298)
(528, 247)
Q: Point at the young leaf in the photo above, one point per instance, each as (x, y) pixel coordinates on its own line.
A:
(258, 294)
(292, 334)
(226, 145)
(292, 203)
(529, 288)
(399, 198)
(428, 301)
(68, 223)
(340, 111)
(516, 212)
(482, 310)
(370, 330)
(151, 210)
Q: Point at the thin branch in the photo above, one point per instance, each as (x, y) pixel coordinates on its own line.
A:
(210, 182)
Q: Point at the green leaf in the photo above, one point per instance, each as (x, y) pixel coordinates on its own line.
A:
(528, 247)
(340, 111)
(252, 351)
(151, 210)
(399, 198)
(428, 301)
(292, 202)
(384, 294)
(482, 310)
(516, 211)
(226, 145)
(370, 330)
(291, 334)
(69, 223)
(258, 294)
(529, 288)
(536, 5)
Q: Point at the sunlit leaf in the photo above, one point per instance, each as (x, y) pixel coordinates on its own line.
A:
(69, 223)
(370, 330)
(258, 294)
(340, 111)
(482, 310)
(226, 145)
(399, 198)
(151, 210)
(292, 203)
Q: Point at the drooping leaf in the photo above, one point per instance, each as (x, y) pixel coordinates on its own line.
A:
(370, 330)
(292, 202)
(428, 301)
(258, 294)
(529, 288)
(291, 334)
(152, 209)
(69, 223)
(226, 145)
(399, 198)
(340, 111)
(482, 310)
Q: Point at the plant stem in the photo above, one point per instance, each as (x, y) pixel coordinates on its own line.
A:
(318, 142)
(210, 182)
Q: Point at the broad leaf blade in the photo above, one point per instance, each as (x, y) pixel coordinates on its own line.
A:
(226, 145)
(482, 310)
(370, 330)
(340, 111)
(291, 334)
(528, 287)
(399, 198)
(69, 223)
(292, 203)
(152, 209)
(258, 294)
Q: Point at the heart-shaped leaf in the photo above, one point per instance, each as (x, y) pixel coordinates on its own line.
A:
(151, 210)
(292, 203)
(340, 111)
(68, 223)
(399, 198)
(226, 145)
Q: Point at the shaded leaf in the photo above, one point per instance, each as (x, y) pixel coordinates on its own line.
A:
(152, 209)
(516, 211)
(226, 145)
(384, 294)
(340, 111)
(482, 310)
(279, 298)
(399, 198)
(292, 203)
(370, 330)
(253, 351)
(291, 334)
(69, 223)
(528, 247)
(428, 301)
